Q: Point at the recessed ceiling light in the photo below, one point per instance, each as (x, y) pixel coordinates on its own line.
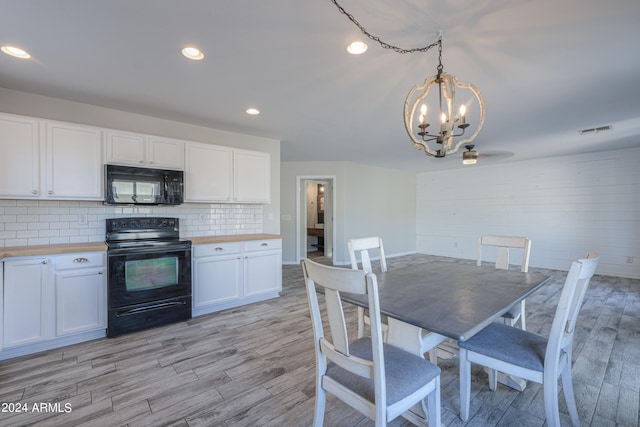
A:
(16, 52)
(193, 53)
(357, 48)
(253, 111)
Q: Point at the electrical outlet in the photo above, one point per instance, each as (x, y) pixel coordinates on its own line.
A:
(629, 260)
(203, 218)
(82, 219)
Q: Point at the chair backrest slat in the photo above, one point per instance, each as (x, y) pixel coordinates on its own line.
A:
(361, 246)
(503, 244)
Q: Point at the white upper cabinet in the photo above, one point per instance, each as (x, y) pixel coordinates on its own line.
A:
(20, 156)
(252, 176)
(74, 161)
(50, 160)
(226, 175)
(134, 149)
(46, 159)
(208, 173)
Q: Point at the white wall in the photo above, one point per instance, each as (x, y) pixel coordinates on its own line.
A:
(369, 201)
(566, 205)
(56, 109)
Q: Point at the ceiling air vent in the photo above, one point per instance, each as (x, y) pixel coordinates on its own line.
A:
(595, 130)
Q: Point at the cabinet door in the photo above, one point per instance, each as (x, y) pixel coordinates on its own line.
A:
(252, 176)
(165, 153)
(74, 161)
(207, 173)
(28, 302)
(262, 272)
(216, 279)
(81, 304)
(125, 148)
(20, 156)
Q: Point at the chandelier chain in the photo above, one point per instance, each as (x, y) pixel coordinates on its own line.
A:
(384, 44)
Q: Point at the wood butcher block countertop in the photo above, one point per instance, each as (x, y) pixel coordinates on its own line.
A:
(17, 251)
(203, 240)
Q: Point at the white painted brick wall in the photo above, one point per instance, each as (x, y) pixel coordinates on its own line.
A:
(44, 222)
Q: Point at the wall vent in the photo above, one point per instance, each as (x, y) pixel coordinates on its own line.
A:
(595, 130)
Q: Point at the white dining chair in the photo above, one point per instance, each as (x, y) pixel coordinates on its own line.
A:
(377, 379)
(359, 248)
(532, 357)
(503, 245)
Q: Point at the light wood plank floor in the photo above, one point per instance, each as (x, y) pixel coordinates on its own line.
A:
(254, 365)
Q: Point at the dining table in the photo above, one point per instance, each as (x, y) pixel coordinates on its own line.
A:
(429, 303)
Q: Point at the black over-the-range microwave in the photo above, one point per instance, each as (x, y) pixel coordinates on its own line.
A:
(126, 185)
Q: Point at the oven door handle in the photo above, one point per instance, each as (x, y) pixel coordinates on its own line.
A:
(159, 306)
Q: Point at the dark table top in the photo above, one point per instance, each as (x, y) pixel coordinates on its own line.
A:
(452, 299)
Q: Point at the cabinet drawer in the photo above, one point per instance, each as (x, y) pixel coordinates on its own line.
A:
(216, 249)
(263, 245)
(80, 260)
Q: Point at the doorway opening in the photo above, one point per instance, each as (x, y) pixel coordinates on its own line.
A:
(315, 217)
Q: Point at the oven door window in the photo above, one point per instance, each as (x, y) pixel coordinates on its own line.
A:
(135, 191)
(154, 273)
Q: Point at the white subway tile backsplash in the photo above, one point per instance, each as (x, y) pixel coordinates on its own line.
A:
(43, 222)
(16, 210)
(14, 226)
(27, 234)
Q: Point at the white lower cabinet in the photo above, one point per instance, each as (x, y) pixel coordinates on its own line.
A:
(81, 293)
(262, 267)
(217, 274)
(52, 301)
(231, 274)
(28, 302)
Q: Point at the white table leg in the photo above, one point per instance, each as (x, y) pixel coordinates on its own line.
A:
(412, 339)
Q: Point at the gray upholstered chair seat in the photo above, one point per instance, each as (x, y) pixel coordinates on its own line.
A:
(405, 373)
(512, 345)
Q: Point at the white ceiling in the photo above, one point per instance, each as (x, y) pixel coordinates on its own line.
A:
(546, 68)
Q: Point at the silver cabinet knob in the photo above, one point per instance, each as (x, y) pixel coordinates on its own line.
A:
(80, 260)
